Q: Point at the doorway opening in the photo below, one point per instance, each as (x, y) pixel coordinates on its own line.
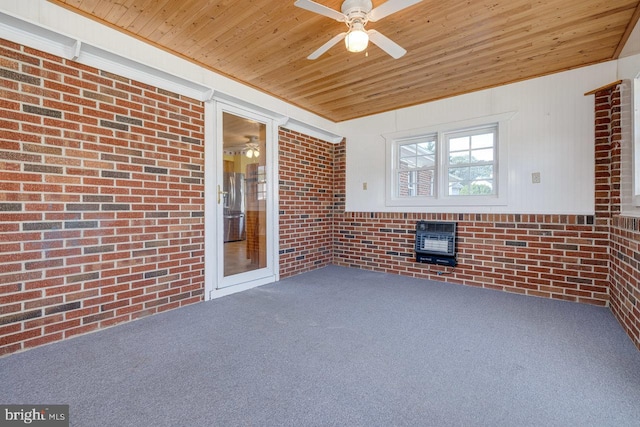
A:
(241, 199)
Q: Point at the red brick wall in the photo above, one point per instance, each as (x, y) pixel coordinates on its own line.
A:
(625, 274)
(624, 231)
(306, 202)
(101, 211)
(551, 256)
(101, 208)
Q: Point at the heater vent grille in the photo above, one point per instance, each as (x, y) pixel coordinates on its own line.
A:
(436, 242)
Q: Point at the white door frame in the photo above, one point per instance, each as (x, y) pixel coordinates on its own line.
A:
(213, 254)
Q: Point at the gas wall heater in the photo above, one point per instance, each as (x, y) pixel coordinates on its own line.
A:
(436, 242)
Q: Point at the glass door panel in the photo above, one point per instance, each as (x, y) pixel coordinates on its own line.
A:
(243, 195)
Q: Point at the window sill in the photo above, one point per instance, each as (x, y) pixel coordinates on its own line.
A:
(448, 201)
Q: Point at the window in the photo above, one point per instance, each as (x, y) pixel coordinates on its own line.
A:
(635, 139)
(471, 162)
(456, 164)
(417, 166)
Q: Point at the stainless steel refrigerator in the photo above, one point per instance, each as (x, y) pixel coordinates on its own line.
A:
(234, 207)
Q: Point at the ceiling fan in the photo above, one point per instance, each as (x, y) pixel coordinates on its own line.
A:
(253, 147)
(356, 14)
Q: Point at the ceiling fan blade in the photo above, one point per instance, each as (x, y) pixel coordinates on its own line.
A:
(389, 7)
(320, 9)
(386, 44)
(328, 45)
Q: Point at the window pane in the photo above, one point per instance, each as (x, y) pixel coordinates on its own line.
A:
(458, 174)
(425, 182)
(425, 161)
(482, 141)
(459, 158)
(477, 188)
(416, 183)
(484, 155)
(459, 144)
(417, 155)
(407, 150)
(409, 162)
(481, 172)
(405, 186)
(455, 188)
(426, 148)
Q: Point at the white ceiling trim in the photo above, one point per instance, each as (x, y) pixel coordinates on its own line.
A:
(56, 43)
(313, 131)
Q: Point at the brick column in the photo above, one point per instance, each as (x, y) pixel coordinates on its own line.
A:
(623, 231)
(607, 154)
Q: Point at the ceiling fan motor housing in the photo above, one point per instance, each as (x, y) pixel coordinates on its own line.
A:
(356, 9)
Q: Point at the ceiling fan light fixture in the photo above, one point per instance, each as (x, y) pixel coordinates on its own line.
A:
(253, 147)
(252, 153)
(357, 38)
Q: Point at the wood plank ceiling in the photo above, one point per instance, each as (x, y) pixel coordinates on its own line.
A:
(453, 46)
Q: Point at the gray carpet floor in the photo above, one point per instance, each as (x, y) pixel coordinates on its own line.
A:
(344, 347)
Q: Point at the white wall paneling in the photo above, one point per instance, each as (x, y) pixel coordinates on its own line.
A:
(550, 133)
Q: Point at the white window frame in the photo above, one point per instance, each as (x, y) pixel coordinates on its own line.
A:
(635, 140)
(448, 136)
(441, 196)
(414, 171)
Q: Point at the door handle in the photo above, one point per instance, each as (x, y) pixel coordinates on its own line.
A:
(221, 193)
